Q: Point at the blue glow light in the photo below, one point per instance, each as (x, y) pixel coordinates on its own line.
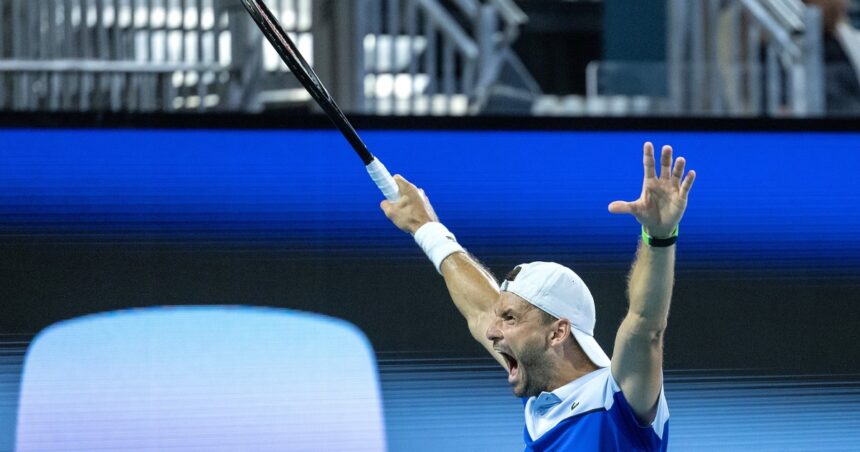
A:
(774, 197)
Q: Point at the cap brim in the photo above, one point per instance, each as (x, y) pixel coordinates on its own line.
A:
(591, 348)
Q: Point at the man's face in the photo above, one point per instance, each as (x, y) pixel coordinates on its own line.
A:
(519, 334)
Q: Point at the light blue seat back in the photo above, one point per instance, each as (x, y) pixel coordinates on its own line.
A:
(200, 379)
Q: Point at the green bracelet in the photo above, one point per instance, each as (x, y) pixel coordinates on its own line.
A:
(657, 242)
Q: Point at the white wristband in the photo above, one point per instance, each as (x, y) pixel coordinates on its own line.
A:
(437, 242)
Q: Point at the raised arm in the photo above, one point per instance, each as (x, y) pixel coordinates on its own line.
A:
(637, 360)
(473, 289)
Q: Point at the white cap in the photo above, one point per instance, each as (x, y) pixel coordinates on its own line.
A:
(561, 293)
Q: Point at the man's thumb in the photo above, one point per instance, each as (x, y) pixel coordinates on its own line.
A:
(403, 185)
(385, 205)
(620, 207)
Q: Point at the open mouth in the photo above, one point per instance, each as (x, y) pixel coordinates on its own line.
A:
(513, 366)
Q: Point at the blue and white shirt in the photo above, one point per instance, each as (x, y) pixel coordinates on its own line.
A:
(591, 413)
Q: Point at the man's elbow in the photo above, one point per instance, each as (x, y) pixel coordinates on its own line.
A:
(478, 327)
(647, 328)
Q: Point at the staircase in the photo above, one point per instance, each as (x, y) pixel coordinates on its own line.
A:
(411, 57)
(749, 57)
(724, 57)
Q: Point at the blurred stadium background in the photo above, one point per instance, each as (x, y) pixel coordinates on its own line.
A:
(149, 156)
(779, 58)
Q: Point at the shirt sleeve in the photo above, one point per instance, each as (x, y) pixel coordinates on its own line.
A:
(657, 426)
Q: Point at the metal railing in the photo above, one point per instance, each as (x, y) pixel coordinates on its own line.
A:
(724, 57)
(745, 57)
(420, 59)
(404, 56)
(417, 59)
(264, 74)
(130, 55)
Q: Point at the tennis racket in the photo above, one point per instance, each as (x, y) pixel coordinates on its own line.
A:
(288, 52)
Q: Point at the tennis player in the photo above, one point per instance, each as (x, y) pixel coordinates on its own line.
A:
(539, 322)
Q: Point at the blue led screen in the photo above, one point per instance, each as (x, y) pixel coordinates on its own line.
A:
(97, 219)
(780, 199)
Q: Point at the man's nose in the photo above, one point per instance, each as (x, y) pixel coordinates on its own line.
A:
(494, 333)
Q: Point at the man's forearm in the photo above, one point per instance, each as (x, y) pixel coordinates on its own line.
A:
(472, 287)
(650, 285)
(473, 290)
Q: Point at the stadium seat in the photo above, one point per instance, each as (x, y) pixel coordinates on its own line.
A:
(200, 379)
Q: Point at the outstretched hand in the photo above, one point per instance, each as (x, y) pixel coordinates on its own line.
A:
(664, 199)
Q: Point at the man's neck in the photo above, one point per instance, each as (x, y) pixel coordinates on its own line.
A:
(569, 374)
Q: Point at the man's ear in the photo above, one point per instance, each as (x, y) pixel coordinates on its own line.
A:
(560, 331)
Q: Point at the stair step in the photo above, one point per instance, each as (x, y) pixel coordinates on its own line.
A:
(436, 105)
(400, 86)
(387, 53)
(574, 105)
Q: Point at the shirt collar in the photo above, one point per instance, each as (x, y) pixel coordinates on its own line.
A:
(546, 400)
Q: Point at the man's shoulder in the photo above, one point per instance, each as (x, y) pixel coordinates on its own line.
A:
(653, 433)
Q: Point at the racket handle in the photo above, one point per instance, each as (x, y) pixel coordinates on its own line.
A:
(382, 178)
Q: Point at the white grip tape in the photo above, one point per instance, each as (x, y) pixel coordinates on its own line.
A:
(382, 178)
(437, 242)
